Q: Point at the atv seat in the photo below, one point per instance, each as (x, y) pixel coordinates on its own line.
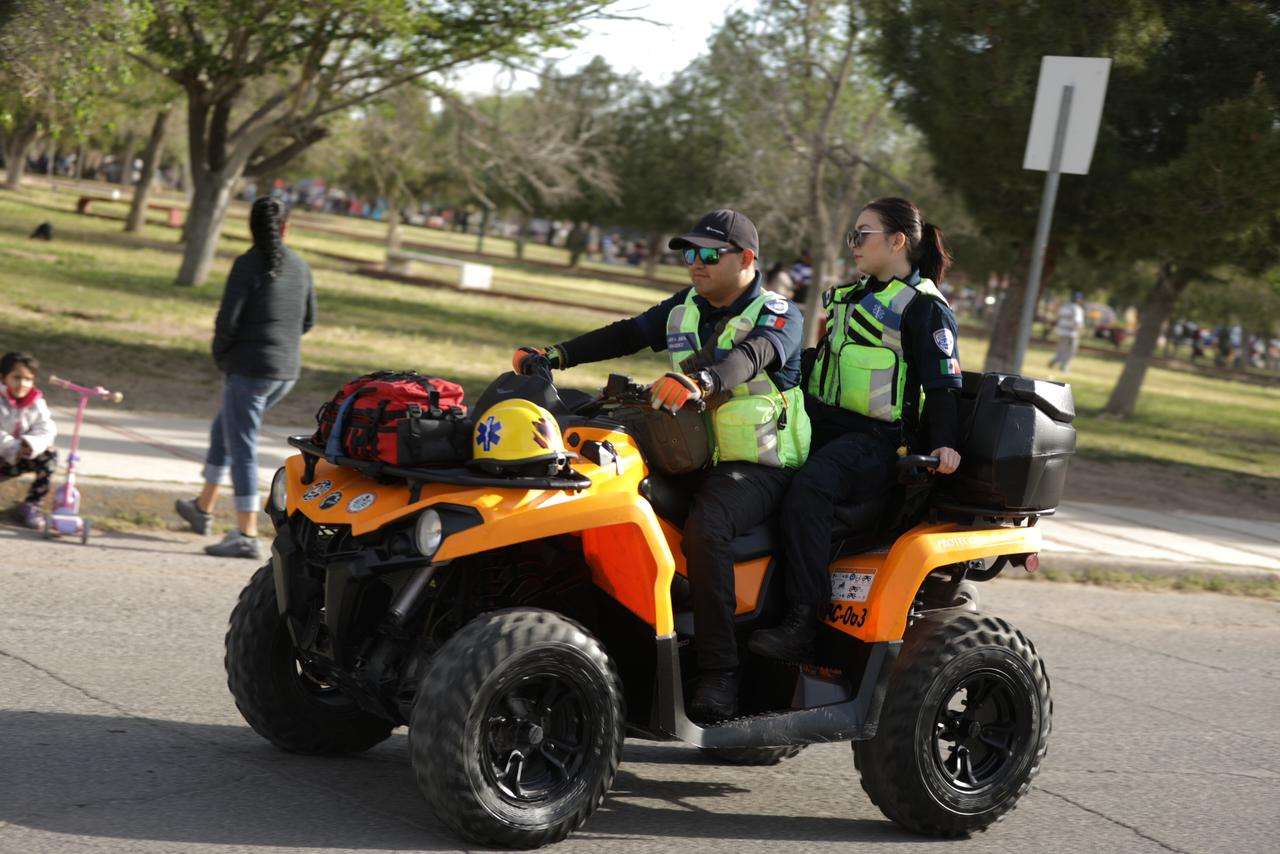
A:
(852, 521)
(860, 518)
(672, 503)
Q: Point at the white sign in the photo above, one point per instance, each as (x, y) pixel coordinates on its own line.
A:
(1088, 78)
(850, 586)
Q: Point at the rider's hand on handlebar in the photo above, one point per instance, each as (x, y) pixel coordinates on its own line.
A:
(522, 355)
(672, 391)
(948, 460)
(521, 364)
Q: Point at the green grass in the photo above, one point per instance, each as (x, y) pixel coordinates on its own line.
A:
(99, 305)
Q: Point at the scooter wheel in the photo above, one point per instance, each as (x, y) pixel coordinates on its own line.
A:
(84, 532)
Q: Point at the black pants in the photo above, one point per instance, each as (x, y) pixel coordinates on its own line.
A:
(43, 465)
(847, 469)
(731, 499)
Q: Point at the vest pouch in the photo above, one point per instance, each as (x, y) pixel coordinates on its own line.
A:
(746, 430)
(868, 381)
(795, 437)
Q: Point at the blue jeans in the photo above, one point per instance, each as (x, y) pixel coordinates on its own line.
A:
(233, 438)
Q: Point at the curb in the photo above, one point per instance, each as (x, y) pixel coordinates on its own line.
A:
(1081, 566)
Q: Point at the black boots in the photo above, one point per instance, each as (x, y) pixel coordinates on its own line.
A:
(716, 697)
(790, 640)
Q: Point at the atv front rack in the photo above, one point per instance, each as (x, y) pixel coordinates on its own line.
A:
(571, 480)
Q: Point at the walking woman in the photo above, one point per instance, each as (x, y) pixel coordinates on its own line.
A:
(268, 305)
(887, 337)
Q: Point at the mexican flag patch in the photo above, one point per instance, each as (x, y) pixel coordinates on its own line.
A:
(772, 320)
(951, 367)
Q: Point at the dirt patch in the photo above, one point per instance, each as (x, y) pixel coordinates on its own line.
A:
(32, 256)
(1167, 487)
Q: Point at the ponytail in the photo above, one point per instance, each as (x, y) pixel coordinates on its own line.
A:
(266, 217)
(925, 247)
(932, 258)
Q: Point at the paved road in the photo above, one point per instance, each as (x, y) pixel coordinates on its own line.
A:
(117, 733)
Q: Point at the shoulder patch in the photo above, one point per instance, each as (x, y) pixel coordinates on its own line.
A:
(778, 305)
(945, 340)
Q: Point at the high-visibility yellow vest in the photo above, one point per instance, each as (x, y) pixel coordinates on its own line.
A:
(860, 365)
(758, 423)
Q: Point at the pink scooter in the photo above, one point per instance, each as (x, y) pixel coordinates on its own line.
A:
(66, 519)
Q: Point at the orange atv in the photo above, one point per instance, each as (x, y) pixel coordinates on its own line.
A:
(522, 626)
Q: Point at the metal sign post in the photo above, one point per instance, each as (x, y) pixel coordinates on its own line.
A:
(1047, 199)
(1064, 128)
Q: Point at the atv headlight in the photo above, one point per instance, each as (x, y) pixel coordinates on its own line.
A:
(428, 533)
(279, 495)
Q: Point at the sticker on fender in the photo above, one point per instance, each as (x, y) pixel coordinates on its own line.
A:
(851, 586)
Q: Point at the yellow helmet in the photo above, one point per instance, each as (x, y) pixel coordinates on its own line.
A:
(517, 437)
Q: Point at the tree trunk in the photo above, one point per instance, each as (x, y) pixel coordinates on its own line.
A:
(204, 225)
(484, 226)
(79, 173)
(17, 147)
(150, 156)
(1157, 308)
(1003, 342)
(394, 238)
(522, 235)
(126, 164)
(188, 183)
(651, 257)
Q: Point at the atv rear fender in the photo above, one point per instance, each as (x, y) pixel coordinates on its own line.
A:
(898, 573)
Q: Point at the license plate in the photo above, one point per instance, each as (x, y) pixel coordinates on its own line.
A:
(851, 586)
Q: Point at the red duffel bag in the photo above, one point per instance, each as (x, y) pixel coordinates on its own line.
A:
(399, 418)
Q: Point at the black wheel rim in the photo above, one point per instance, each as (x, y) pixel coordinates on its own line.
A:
(979, 730)
(536, 736)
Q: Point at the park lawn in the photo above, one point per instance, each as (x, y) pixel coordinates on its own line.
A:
(455, 241)
(99, 306)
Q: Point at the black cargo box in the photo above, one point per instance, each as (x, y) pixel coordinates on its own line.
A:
(1016, 441)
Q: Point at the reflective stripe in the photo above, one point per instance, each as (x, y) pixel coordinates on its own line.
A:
(767, 445)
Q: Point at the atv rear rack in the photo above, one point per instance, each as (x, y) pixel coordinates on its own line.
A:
(572, 481)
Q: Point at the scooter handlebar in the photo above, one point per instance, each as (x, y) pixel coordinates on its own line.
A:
(98, 391)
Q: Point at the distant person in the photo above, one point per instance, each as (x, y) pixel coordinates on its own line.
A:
(1069, 327)
(27, 432)
(802, 274)
(779, 280)
(268, 305)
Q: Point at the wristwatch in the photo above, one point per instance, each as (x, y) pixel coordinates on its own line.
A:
(706, 382)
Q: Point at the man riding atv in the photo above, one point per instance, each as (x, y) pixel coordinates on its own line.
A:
(735, 348)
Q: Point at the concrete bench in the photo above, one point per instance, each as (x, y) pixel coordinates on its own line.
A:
(471, 277)
(174, 212)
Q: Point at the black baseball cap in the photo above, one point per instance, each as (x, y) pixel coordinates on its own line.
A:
(722, 229)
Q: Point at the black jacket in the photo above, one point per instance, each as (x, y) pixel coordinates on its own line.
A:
(261, 321)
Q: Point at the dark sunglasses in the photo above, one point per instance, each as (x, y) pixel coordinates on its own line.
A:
(708, 255)
(855, 239)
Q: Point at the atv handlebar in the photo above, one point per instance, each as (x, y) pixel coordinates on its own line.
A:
(622, 391)
(918, 461)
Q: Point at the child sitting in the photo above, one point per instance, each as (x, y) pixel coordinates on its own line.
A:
(27, 432)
